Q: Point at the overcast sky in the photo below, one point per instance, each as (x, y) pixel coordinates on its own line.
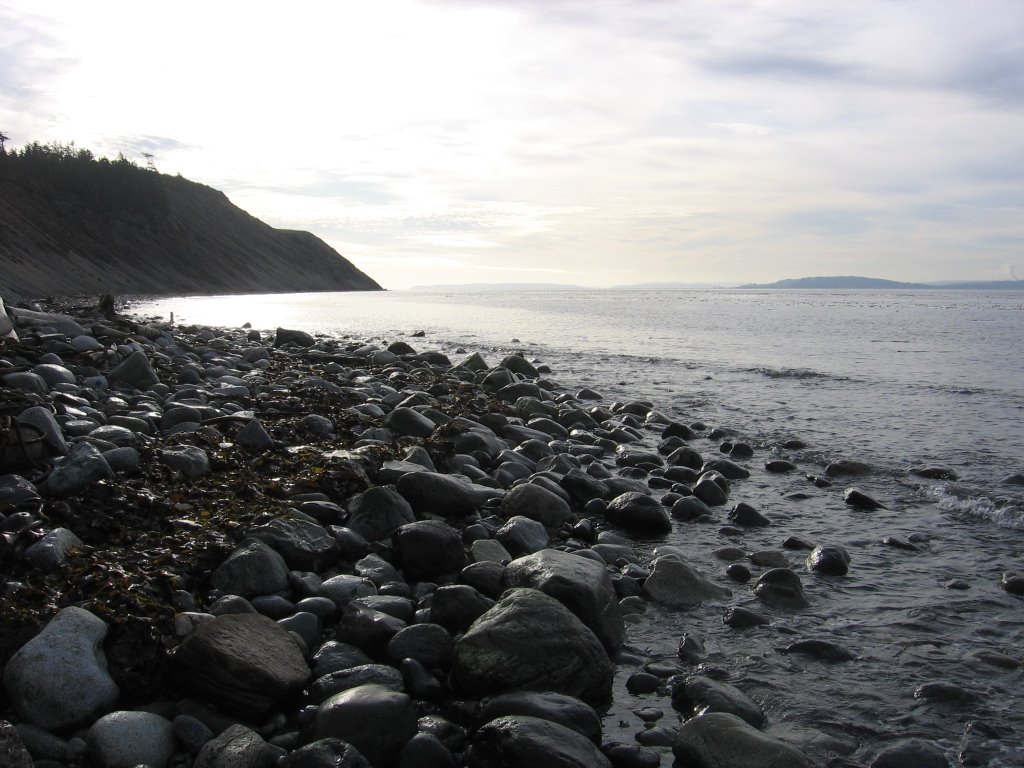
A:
(570, 141)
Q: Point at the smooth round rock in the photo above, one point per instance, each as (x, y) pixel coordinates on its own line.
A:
(723, 740)
(519, 741)
(376, 721)
(638, 512)
(128, 739)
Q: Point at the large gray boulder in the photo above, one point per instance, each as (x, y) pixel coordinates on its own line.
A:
(700, 694)
(134, 373)
(638, 512)
(377, 512)
(519, 741)
(580, 584)
(253, 568)
(238, 747)
(721, 740)
(82, 467)
(438, 494)
(128, 739)
(304, 545)
(428, 549)
(58, 680)
(676, 583)
(537, 503)
(530, 641)
(243, 663)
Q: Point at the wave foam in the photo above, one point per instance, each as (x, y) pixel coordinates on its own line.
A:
(1007, 515)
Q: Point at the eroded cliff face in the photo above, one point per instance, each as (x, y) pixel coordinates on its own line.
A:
(194, 242)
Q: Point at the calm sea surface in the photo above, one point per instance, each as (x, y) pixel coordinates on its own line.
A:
(899, 380)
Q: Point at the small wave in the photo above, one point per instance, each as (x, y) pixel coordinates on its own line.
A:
(1007, 515)
(793, 373)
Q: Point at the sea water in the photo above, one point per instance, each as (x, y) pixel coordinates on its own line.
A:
(896, 379)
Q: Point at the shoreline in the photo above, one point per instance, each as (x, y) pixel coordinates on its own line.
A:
(153, 581)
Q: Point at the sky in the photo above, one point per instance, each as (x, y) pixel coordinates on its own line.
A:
(586, 142)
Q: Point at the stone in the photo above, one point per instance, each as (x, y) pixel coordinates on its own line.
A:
(723, 740)
(910, 753)
(829, 559)
(855, 497)
(254, 437)
(83, 466)
(128, 739)
(530, 641)
(409, 423)
(58, 680)
(689, 508)
(253, 568)
(727, 468)
(522, 536)
(340, 680)
(134, 373)
(332, 656)
(639, 513)
(676, 583)
(304, 545)
(779, 466)
(822, 650)
(781, 587)
(519, 741)
(537, 503)
(747, 516)
(376, 721)
(13, 753)
(243, 663)
(51, 551)
(710, 492)
(344, 588)
(367, 628)
(848, 468)
(438, 494)
(42, 419)
(581, 585)
(425, 750)
(326, 753)
(456, 606)
(553, 707)
(739, 617)
(238, 747)
(699, 694)
(189, 460)
(378, 512)
(430, 644)
(428, 549)
(288, 336)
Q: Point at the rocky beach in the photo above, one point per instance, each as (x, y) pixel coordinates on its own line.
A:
(228, 547)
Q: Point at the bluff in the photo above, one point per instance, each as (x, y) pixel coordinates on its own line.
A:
(70, 224)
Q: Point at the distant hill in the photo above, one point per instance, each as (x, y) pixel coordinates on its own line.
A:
(851, 282)
(500, 287)
(72, 224)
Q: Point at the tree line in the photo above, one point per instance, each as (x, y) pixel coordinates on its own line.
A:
(59, 170)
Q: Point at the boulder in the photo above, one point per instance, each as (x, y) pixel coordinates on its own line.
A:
(438, 494)
(722, 740)
(699, 694)
(326, 753)
(378, 512)
(519, 741)
(580, 584)
(189, 460)
(252, 568)
(58, 680)
(376, 721)
(428, 549)
(522, 536)
(781, 587)
(676, 583)
(408, 422)
(288, 336)
(910, 753)
(537, 503)
(238, 747)
(244, 663)
(134, 373)
(638, 512)
(304, 545)
(530, 641)
(553, 707)
(128, 739)
(82, 467)
(831, 560)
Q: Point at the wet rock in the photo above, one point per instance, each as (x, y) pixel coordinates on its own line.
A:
(857, 498)
(134, 373)
(529, 641)
(51, 551)
(430, 644)
(674, 582)
(376, 721)
(537, 503)
(59, 679)
(722, 740)
(829, 559)
(428, 549)
(553, 707)
(82, 467)
(944, 691)
(638, 512)
(254, 437)
(822, 650)
(253, 568)
(581, 585)
(326, 753)
(519, 741)
(304, 545)
(456, 606)
(779, 466)
(1011, 582)
(631, 756)
(425, 750)
(690, 508)
(340, 680)
(745, 515)
(911, 753)
(409, 422)
(243, 663)
(710, 492)
(699, 695)
(738, 572)
(344, 588)
(189, 460)
(935, 473)
(378, 512)
(238, 747)
(1015, 479)
(13, 753)
(522, 536)
(332, 656)
(42, 419)
(738, 617)
(128, 739)
(284, 336)
(727, 468)
(367, 628)
(848, 468)
(781, 587)
(437, 494)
